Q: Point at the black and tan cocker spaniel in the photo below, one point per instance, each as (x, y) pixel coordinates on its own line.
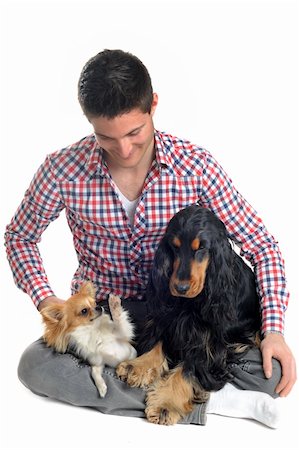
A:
(204, 313)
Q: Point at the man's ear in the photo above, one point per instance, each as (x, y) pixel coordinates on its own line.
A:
(154, 104)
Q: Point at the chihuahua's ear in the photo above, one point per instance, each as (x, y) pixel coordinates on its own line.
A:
(88, 289)
(54, 319)
(52, 313)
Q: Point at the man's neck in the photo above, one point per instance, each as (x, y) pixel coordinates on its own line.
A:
(130, 180)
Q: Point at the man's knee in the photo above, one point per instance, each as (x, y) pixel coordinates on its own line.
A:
(66, 378)
(249, 374)
(49, 373)
(31, 360)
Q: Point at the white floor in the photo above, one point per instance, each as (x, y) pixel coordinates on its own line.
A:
(32, 422)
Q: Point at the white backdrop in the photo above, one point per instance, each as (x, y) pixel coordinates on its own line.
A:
(226, 73)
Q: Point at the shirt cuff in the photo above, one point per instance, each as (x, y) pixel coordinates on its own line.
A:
(39, 291)
(272, 321)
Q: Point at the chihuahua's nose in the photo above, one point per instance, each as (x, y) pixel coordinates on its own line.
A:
(99, 308)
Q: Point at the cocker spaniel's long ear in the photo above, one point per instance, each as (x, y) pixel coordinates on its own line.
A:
(161, 271)
(220, 280)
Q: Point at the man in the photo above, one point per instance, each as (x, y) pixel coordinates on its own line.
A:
(120, 187)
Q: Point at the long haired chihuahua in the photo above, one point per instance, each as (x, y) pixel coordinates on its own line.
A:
(82, 325)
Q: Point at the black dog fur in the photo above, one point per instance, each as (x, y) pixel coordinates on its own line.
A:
(202, 333)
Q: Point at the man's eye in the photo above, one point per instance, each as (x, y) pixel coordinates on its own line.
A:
(102, 138)
(84, 312)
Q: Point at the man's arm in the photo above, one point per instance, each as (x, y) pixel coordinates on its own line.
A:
(260, 248)
(40, 206)
(257, 245)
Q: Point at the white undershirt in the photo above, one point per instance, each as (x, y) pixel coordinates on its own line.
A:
(129, 205)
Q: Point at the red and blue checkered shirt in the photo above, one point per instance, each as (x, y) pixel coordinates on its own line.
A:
(117, 257)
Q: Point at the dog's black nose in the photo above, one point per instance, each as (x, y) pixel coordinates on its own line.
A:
(182, 288)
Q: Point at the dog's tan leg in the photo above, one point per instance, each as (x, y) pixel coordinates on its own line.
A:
(170, 398)
(144, 370)
(199, 394)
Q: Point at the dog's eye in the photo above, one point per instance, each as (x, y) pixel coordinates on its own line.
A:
(175, 249)
(199, 250)
(84, 311)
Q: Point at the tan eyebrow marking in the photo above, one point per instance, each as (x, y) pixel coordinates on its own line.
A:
(195, 244)
(176, 242)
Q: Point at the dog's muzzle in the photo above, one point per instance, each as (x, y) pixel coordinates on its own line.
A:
(100, 309)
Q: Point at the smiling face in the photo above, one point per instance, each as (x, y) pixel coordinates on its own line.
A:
(128, 139)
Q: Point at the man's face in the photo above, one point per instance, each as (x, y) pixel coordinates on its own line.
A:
(126, 139)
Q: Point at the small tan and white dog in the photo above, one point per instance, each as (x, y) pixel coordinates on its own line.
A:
(82, 325)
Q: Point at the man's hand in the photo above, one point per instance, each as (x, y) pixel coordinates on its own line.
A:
(49, 301)
(274, 346)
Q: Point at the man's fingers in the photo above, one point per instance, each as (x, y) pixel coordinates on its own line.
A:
(267, 364)
(274, 346)
(284, 389)
(288, 379)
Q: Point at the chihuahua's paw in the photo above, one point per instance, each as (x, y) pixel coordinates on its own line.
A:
(102, 388)
(115, 306)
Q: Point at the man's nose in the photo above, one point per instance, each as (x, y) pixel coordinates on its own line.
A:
(124, 148)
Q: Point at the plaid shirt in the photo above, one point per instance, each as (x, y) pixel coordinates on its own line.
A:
(117, 257)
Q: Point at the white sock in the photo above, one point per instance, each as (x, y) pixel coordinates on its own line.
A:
(233, 402)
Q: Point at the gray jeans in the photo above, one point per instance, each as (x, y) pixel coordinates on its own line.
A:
(66, 378)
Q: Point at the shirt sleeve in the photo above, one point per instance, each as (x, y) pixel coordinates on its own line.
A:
(40, 206)
(257, 245)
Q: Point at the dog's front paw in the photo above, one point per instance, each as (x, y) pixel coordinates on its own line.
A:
(200, 394)
(161, 415)
(160, 408)
(135, 374)
(144, 370)
(169, 399)
(115, 306)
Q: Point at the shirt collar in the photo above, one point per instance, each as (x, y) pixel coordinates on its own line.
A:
(96, 154)
(161, 150)
(95, 159)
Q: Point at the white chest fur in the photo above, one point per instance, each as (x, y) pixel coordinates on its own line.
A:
(104, 342)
